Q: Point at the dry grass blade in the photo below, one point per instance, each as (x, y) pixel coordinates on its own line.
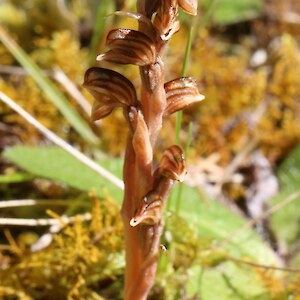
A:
(60, 142)
(44, 222)
(267, 213)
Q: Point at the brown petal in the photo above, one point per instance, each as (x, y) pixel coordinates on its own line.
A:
(165, 21)
(149, 212)
(147, 7)
(100, 110)
(181, 93)
(172, 164)
(110, 89)
(129, 47)
(189, 6)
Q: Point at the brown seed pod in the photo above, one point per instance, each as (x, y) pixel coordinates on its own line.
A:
(172, 164)
(110, 89)
(129, 47)
(181, 93)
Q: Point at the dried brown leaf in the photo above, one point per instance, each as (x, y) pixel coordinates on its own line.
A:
(181, 93)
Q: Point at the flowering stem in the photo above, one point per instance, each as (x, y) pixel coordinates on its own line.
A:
(146, 189)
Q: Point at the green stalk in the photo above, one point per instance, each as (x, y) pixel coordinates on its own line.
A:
(53, 94)
(179, 114)
(183, 73)
(180, 187)
(104, 9)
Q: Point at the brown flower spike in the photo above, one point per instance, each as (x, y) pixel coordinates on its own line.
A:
(146, 190)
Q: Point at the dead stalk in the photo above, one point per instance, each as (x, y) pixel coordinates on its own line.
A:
(146, 189)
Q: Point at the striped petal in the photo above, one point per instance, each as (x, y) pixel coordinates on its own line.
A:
(129, 47)
(149, 212)
(110, 89)
(181, 93)
(172, 164)
(165, 21)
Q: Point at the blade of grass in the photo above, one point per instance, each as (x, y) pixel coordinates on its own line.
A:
(53, 94)
(99, 27)
(179, 115)
(183, 73)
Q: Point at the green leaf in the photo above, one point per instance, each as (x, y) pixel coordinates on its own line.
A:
(233, 11)
(54, 163)
(285, 222)
(215, 221)
(228, 280)
(232, 282)
(53, 94)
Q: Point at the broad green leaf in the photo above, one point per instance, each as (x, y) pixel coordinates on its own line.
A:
(53, 94)
(226, 12)
(232, 282)
(286, 220)
(214, 221)
(54, 163)
(228, 280)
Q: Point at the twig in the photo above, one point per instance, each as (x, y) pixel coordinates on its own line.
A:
(61, 143)
(59, 75)
(265, 214)
(31, 202)
(256, 265)
(45, 221)
(72, 89)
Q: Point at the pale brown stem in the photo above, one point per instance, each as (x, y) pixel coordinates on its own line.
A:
(142, 242)
(153, 98)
